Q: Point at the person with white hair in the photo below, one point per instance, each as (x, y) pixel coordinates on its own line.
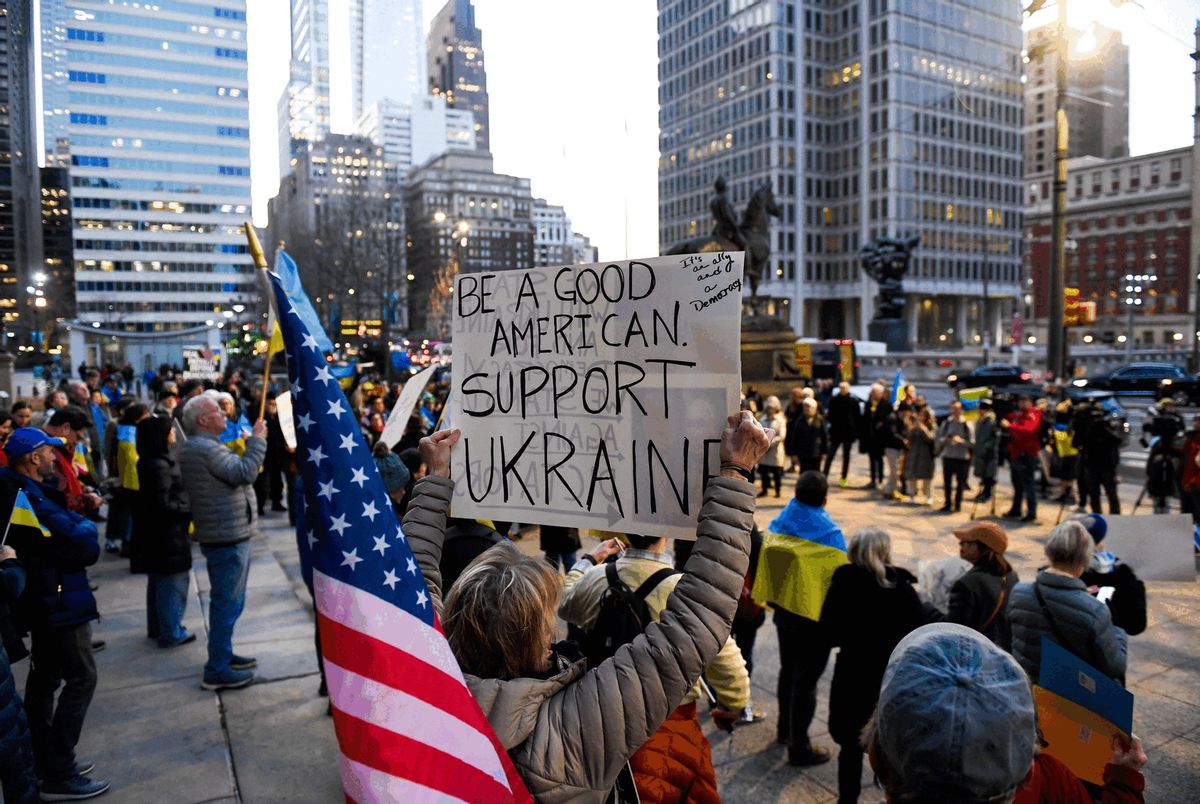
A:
(770, 466)
(1057, 605)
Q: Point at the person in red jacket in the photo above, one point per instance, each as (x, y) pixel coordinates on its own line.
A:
(956, 722)
(1024, 443)
(1189, 470)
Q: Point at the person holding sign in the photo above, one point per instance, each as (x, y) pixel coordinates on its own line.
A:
(571, 730)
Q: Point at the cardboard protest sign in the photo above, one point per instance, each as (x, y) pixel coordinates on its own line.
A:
(283, 408)
(594, 396)
(1157, 547)
(402, 410)
(1080, 710)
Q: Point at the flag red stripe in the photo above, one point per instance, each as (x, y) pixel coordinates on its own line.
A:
(409, 758)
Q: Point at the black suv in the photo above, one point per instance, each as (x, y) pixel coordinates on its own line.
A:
(992, 375)
(1156, 380)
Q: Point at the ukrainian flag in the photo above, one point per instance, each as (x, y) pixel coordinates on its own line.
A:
(800, 552)
(127, 456)
(898, 383)
(22, 514)
(80, 459)
(969, 397)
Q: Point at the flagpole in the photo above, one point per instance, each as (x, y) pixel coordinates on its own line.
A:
(260, 262)
(7, 525)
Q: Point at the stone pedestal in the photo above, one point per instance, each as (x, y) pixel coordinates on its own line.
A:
(893, 332)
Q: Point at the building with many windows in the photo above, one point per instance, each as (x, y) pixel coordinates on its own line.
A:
(340, 215)
(387, 55)
(411, 133)
(584, 253)
(461, 216)
(1129, 216)
(867, 118)
(304, 110)
(1097, 95)
(454, 49)
(148, 104)
(553, 240)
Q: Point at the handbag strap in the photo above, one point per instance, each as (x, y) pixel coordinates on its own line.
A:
(1058, 634)
(999, 604)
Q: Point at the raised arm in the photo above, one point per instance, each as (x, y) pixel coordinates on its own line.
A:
(425, 520)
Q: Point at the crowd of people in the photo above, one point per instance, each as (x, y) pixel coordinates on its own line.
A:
(657, 632)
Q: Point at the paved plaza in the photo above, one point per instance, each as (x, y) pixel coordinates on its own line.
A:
(158, 737)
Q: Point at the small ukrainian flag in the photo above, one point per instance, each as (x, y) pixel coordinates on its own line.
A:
(22, 514)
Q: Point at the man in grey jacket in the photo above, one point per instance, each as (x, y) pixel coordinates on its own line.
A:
(220, 487)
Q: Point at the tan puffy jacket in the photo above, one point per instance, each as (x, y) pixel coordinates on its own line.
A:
(571, 735)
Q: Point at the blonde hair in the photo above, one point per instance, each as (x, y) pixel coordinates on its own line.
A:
(772, 403)
(501, 613)
(871, 549)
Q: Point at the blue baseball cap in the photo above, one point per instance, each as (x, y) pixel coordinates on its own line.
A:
(955, 717)
(25, 440)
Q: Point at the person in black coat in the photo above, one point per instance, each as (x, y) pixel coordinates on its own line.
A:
(17, 779)
(872, 438)
(809, 436)
(1127, 601)
(844, 426)
(559, 545)
(979, 599)
(161, 547)
(871, 605)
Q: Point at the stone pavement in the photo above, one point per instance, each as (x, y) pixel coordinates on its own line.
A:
(158, 737)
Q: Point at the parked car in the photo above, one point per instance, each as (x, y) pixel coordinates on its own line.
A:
(1155, 380)
(993, 375)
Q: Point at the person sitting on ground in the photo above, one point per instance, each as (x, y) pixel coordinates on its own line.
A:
(161, 547)
(571, 730)
(801, 550)
(947, 674)
(870, 607)
(1127, 600)
(675, 764)
(980, 597)
(1057, 605)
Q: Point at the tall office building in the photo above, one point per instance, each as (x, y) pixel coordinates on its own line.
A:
(304, 112)
(866, 120)
(387, 51)
(1097, 95)
(155, 118)
(456, 72)
(18, 179)
(553, 240)
(412, 133)
(461, 216)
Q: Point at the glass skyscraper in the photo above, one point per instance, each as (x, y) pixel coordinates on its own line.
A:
(868, 118)
(387, 57)
(304, 105)
(454, 49)
(147, 104)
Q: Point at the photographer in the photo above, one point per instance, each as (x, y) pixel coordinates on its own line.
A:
(1100, 451)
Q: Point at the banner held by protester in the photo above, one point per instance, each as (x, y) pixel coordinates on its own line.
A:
(592, 396)
(403, 409)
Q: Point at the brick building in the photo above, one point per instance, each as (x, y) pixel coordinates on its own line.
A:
(1124, 216)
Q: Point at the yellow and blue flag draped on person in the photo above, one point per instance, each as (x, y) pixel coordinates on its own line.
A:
(81, 460)
(22, 514)
(899, 394)
(800, 551)
(969, 397)
(127, 456)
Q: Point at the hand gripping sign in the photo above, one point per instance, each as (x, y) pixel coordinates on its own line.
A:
(595, 395)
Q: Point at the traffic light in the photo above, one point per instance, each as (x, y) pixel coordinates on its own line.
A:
(1076, 312)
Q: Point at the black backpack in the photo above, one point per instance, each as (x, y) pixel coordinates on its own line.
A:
(623, 615)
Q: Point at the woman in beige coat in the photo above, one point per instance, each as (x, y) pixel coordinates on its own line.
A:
(570, 731)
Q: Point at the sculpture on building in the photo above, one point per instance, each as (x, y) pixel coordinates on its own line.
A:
(751, 234)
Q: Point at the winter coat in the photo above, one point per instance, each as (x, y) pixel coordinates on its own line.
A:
(919, 464)
(1128, 602)
(987, 447)
(1085, 623)
(774, 455)
(1100, 445)
(947, 448)
(160, 520)
(219, 486)
(973, 599)
(15, 740)
(844, 418)
(806, 437)
(870, 422)
(866, 621)
(1024, 433)
(557, 540)
(570, 735)
(57, 592)
(1189, 470)
(1052, 782)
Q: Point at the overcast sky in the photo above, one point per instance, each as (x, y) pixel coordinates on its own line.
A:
(574, 98)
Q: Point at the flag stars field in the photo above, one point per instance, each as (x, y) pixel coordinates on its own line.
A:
(381, 544)
(316, 455)
(351, 559)
(390, 579)
(327, 491)
(338, 523)
(358, 476)
(348, 442)
(369, 510)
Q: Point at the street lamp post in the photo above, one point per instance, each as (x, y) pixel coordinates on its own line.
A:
(1135, 286)
(1056, 331)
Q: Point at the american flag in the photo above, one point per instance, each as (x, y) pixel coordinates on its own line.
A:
(407, 726)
